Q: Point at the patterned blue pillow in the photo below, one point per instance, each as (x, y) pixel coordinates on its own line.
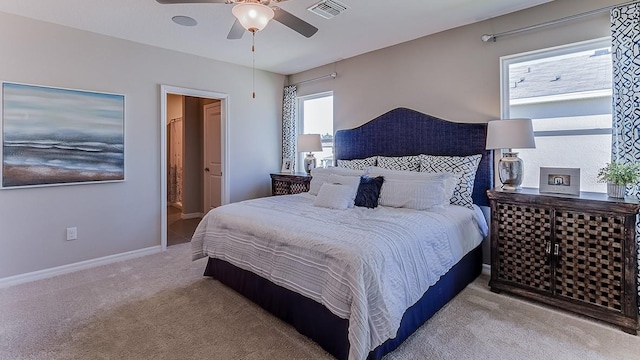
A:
(369, 191)
(357, 164)
(404, 163)
(464, 167)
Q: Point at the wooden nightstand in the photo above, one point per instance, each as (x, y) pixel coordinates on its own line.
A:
(288, 183)
(574, 252)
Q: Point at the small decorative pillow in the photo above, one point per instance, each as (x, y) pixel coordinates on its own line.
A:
(464, 167)
(405, 163)
(320, 175)
(346, 180)
(369, 191)
(334, 196)
(357, 164)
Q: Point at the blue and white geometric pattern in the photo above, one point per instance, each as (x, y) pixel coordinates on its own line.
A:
(289, 134)
(464, 167)
(357, 164)
(403, 163)
(625, 47)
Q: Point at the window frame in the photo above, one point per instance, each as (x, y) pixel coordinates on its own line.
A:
(300, 123)
(542, 106)
(505, 61)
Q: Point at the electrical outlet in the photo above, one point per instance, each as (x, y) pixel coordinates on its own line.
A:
(72, 233)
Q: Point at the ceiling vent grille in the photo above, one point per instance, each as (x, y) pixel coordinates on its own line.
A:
(327, 8)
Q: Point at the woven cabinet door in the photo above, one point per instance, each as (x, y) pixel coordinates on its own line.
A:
(280, 187)
(590, 260)
(524, 232)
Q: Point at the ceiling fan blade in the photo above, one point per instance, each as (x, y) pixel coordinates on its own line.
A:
(236, 31)
(190, 1)
(294, 22)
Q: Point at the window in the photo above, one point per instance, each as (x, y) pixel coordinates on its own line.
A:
(566, 91)
(315, 116)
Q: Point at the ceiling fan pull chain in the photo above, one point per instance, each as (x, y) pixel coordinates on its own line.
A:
(253, 55)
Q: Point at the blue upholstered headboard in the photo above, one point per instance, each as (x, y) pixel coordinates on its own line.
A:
(407, 132)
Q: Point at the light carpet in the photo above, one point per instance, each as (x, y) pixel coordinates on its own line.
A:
(160, 307)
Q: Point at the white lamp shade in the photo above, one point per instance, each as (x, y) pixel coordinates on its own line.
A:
(309, 143)
(253, 16)
(510, 134)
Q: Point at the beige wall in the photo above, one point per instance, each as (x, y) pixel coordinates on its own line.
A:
(452, 74)
(114, 218)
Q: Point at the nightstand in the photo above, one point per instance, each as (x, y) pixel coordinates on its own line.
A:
(288, 183)
(577, 253)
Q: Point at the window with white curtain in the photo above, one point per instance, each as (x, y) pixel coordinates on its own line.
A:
(315, 116)
(566, 91)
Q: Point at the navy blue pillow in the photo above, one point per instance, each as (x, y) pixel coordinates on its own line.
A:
(369, 191)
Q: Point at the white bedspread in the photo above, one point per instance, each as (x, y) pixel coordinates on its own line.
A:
(365, 265)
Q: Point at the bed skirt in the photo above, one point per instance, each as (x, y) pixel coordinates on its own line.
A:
(312, 319)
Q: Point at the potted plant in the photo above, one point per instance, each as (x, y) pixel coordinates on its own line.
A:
(618, 176)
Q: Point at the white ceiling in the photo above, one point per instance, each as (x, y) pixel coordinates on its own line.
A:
(365, 26)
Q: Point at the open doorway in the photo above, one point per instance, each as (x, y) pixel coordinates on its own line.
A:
(186, 148)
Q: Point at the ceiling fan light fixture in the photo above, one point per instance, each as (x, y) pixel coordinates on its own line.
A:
(253, 16)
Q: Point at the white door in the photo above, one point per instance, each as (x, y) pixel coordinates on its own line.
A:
(212, 157)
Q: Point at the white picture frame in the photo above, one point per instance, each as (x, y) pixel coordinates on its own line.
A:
(287, 165)
(560, 180)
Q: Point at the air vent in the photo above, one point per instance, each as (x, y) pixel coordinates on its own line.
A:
(327, 8)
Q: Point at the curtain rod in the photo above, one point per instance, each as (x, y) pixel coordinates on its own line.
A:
(332, 75)
(487, 37)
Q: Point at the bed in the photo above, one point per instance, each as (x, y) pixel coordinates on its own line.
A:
(348, 320)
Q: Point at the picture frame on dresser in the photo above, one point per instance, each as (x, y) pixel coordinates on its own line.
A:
(560, 180)
(287, 165)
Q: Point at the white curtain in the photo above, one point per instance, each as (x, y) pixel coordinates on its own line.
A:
(289, 106)
(625, 46)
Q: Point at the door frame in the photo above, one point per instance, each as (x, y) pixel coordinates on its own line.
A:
(224, 137)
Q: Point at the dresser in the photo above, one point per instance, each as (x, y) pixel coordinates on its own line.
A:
(288, 183)
(577, 253)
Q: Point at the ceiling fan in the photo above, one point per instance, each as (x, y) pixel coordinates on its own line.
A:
(254, 15)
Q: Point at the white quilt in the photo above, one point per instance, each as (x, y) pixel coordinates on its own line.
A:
(365, 265)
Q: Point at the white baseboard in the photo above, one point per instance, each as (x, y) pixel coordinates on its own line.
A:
(65, 269)
(191, 216)
(486, 269)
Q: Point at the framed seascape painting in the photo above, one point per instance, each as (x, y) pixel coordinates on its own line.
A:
(54, 136)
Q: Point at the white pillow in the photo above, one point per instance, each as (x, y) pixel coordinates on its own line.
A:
(320, 175)
(414, 190)
(414, 194)
(464, 167)
(357, 164)
(334, 196)
(352, 181)
(450, 181)
(417, 194)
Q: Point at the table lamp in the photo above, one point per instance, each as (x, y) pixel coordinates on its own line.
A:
(309, 143)
(510, 134)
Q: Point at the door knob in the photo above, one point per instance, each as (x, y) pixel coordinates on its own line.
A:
(206, 169)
